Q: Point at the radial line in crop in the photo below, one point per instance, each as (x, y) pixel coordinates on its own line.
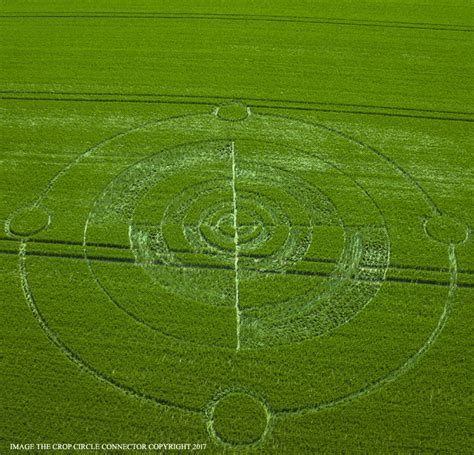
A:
(236, 244)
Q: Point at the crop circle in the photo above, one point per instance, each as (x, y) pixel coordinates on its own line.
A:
(232, 112)
(446, 229)
(28, 221)
(238, 419)
(214, 252)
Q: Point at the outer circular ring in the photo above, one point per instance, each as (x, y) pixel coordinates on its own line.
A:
(125, 389)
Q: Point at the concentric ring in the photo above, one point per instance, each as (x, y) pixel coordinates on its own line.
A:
(278, 215)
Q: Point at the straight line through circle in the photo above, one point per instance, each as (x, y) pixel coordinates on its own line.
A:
(236, 245)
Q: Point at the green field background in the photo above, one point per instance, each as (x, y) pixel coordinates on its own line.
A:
(394, 74)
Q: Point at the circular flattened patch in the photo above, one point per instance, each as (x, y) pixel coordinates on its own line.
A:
(238, 419)
(445, 229)
(28, 221)
(232, 112)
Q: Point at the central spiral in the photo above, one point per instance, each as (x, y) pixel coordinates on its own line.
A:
(261, 213)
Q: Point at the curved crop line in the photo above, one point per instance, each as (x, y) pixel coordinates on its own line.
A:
(93, 148)
(133, 316)
(186, 204)
(329, 163)
(289, 173)
(394, 374)
(277, 214)
(75, 358)
(381, 155)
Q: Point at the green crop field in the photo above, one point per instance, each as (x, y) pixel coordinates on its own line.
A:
(236, 226)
